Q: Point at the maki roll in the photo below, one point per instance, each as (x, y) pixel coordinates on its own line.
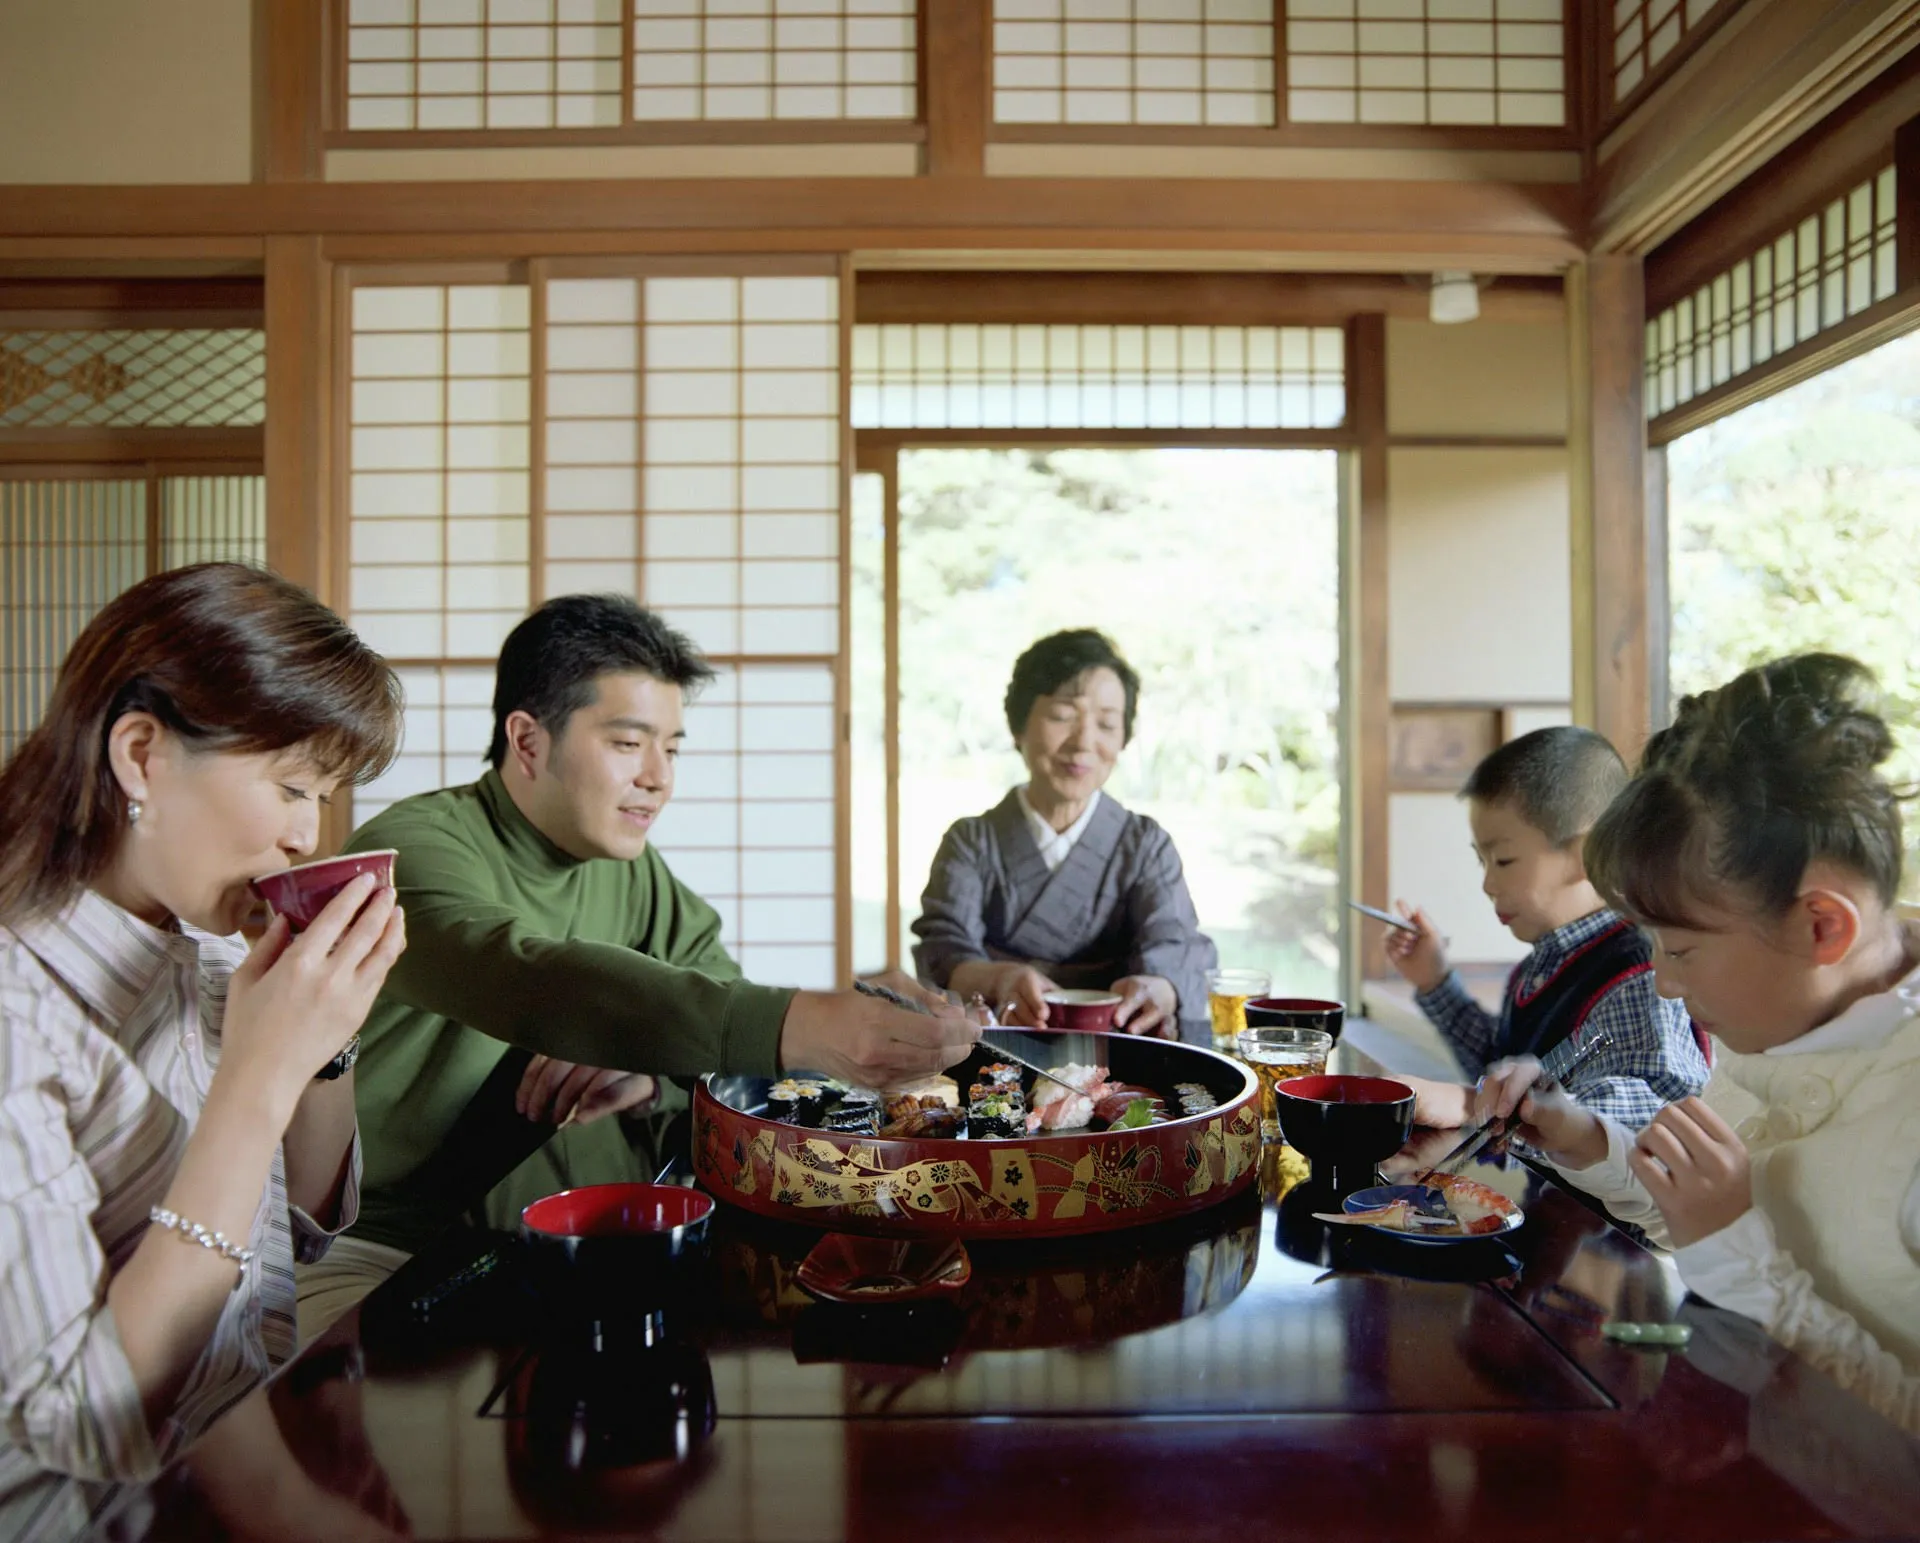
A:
(1193, 1098)
(783, 1101)
(998, 1074)
(797, 1101)
(993, 1114)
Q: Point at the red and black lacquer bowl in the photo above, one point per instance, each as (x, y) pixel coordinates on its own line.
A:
(613, 1253)
(1043, 1185)
(1344, 1125)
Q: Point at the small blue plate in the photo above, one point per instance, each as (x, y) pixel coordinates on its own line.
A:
(1386, 1194)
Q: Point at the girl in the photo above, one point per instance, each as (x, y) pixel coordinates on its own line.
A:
(1762, 849)
(176, 1114)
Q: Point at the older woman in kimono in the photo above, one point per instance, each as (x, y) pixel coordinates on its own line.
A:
(1058, 886)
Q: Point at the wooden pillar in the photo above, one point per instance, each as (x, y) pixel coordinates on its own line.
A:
(291, 76)
(1607, 435)
(1367, 680)
(955, 67)
(299, 435)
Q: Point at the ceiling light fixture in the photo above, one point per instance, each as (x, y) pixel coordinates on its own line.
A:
(1455, 297)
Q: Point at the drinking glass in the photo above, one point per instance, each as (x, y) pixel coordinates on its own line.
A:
(1228, 992)
(1277, 1054)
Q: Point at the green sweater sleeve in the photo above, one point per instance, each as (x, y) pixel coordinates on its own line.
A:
(475, 959)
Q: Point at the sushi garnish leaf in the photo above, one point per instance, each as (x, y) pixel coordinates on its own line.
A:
(1138, 1114)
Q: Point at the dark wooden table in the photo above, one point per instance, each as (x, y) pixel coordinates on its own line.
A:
(1246, 1374)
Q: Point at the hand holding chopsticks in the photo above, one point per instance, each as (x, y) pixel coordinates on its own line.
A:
(1529, 1098)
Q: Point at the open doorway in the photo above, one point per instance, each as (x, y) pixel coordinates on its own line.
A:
(1792, 525)
(1215, 570)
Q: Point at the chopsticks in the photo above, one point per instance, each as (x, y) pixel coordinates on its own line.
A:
(1384, 916)
(1481, 1134)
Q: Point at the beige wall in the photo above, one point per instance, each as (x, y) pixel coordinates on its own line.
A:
(110, 91)
(1486, 377)
(1479, 573)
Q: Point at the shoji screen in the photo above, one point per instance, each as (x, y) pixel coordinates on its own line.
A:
(68, 546)
(675, 437)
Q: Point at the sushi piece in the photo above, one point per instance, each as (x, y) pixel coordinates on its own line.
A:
(1066, 1113)
(784, 1101)
(853, 1119)
(811, 1106)
(1193, 1098)
(983, 1090)
(994, 1114)
(1115, 1106)
(938, 1122)
(914, 1094)
(1000, 1074)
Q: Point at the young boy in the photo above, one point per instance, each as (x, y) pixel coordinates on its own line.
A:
(1530, 805)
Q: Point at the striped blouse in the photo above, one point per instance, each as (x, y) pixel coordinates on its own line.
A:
(109, 1031)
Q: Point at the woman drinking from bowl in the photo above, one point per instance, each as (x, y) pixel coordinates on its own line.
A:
(176, 1113)
(1058, 888)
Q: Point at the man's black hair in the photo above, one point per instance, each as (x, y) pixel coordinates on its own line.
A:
(549, 663)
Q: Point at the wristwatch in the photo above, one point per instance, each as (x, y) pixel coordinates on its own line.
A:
(341, 1064)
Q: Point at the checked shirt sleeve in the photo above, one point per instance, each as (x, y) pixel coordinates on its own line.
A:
(1651, 1058)
(1463, 1023)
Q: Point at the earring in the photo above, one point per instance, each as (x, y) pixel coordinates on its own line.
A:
(134, 809)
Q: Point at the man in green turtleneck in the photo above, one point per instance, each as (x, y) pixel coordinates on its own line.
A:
(539, 917)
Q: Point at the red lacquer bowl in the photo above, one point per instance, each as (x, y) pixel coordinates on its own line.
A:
(1024, 1187)
(1082, 1012)
(300, 894)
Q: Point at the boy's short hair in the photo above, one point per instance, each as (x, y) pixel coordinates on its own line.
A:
(1558, 780)
(550, 661)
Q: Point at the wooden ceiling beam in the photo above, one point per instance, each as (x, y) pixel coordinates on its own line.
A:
(1174, 299)
(1525, 223)
(131, 302)
(1775, 68)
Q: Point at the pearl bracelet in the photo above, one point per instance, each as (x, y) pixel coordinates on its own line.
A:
(193, 1232)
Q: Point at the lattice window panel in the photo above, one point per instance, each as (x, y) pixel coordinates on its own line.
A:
(734, 459)
(967, 376)
(1455, 62)
(717, 60)
(439, 457)
(213, 519)
(449, 724)
(160, 378)
(1832, 265)
(483, 64)
(751, 826)
(67, 547)
(1134, 62)
(1645, 32)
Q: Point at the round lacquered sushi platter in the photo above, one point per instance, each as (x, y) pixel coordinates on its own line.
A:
(1134, 1131)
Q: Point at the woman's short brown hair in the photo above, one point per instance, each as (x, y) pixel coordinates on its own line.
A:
(230, 658)
(1754, 781)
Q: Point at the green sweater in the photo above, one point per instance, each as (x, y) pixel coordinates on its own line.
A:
(510, 941)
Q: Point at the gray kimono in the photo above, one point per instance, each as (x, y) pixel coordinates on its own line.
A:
(1117, 906)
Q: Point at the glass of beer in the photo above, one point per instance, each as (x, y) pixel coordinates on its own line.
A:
(1277, 1054)
(1228, 992)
